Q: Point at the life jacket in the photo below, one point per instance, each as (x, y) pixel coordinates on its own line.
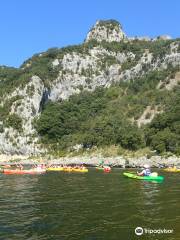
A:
(147, 172)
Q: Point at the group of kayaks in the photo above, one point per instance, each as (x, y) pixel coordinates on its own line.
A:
(38, 170)
(42, 169)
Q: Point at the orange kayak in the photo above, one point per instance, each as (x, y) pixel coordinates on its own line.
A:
(18, 171)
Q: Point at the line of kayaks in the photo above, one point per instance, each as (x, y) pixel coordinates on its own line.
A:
(42, 170)
(132, 175)
(68, 169)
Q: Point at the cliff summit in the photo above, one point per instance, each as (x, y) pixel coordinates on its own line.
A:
(109, 31)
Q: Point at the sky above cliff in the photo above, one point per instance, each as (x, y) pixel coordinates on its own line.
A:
(29, 27)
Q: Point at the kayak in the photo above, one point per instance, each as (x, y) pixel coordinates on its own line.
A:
(174, 170)
(55, 169)
(18, 171)
(75, 170)
(147, 178)
(107, 169)
(80, 170)
(100, 168)
(67, 169)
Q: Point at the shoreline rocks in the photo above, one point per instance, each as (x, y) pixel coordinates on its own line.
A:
(118, 161)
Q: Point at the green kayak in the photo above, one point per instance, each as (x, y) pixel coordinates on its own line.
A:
(147, 178)
(99, 168)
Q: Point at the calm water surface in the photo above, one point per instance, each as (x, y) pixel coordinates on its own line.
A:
(90, 206)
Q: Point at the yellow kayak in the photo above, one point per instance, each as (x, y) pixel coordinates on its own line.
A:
(172, 170)
(80, 170)
(67, 169)
(55, 169)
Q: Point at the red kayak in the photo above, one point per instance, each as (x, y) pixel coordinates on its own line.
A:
(107, 169)
(18, 171)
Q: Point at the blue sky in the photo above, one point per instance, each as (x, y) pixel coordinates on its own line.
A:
(29, 27)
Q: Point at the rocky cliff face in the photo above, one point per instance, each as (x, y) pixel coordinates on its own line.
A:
(105, 58)
(26, 106)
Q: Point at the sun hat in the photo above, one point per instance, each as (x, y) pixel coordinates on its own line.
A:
(146, 166)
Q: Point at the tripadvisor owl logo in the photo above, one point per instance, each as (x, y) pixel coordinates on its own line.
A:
(139, 231)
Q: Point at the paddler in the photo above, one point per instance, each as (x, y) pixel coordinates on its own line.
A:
(101, 164)
(145, 172)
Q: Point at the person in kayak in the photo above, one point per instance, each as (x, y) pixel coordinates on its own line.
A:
(20, 166)
(101, 164)
(146, 171)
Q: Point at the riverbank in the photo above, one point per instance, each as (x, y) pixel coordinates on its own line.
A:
(118, 161)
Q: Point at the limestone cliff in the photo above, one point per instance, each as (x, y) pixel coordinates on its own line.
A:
(106, 57)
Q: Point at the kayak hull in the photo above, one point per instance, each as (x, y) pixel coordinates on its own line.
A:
(80, 170)
(68, 170)
(76, 170)
(18, 171)
(55, 169)
(100, 168)
(173, 170)
(147, 178)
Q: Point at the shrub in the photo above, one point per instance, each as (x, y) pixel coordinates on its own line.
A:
(14, 121)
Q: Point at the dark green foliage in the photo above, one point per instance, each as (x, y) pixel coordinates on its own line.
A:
(42, 67)
(148, 115)
(159, 48)
(5, 109)
(164, 141)
(14, 121)
(9, 79)
(178, 48)
(85, 117)
(30, 90)
(106, 62)
(148, 82)
(163, 133)
(108, 23)
(1, 128)
(103, 117)
(128, 64)
(66, 116)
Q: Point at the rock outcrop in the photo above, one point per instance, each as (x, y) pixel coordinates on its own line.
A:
(26, 107)
(109, 31)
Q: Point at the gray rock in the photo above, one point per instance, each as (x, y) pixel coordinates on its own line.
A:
(106, 30)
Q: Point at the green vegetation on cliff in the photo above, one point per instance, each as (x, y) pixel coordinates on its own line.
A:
(41, 64)
(163, 134)
(108, 117)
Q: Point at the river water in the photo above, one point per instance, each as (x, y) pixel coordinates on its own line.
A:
(90, 206)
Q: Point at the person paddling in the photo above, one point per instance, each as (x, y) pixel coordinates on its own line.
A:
(145, 172)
